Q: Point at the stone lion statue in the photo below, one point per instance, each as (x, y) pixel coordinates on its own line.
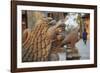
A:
(43, 41)
(38, 43)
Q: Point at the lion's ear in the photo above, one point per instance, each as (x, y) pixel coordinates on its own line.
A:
(47, 19)
(53, 22)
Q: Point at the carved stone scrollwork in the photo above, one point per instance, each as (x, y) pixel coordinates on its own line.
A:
(46, 39)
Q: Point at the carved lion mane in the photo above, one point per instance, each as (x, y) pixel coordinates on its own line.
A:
(37, 43)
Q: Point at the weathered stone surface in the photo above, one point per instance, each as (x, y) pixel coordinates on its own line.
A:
(45, 41)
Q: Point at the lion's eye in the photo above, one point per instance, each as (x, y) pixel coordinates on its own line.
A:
(60, 30)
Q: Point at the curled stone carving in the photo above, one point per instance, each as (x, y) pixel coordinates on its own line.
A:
(46, 40)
